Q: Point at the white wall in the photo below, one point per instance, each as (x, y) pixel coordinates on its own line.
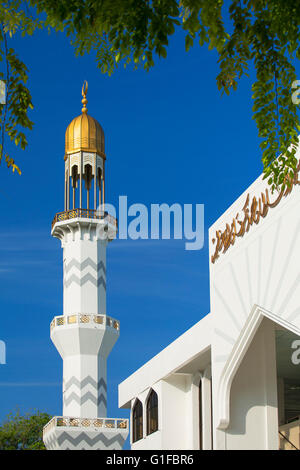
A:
(182, 351)
(176, 424)
(253, 398)
(259, 268)
(174, 415)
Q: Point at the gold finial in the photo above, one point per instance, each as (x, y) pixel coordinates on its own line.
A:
(84, 92)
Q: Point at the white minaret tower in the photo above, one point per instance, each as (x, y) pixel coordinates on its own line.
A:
(84, 335)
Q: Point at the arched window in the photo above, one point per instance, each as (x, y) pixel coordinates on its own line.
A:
(152, 413)
(137, 418)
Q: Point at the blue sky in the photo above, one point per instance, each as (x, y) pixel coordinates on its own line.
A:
(170, 137)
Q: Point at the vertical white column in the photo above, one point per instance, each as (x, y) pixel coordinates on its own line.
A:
(68, 184)
(80, 182)
(65, 204)
(84, 271)
(206, 409)
(270, 378)
(194, 412)
(201, 429)
(99, 184)
(103, 186)
(95, 183)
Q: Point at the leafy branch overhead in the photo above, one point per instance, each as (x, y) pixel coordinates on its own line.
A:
(261, 33)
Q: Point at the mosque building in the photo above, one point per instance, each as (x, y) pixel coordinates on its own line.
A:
(232, 381)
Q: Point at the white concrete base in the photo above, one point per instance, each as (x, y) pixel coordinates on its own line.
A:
(63, 433)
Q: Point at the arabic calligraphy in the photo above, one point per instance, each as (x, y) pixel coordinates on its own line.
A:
(252, 213)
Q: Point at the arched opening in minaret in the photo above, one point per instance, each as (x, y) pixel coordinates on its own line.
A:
(66, 191)
(84, 186)
(74, 178)
(88, 178)
(99, 184)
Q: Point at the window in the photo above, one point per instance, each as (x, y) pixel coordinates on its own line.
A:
(152, 413)
(137, 417)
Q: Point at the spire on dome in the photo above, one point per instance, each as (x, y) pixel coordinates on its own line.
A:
(84, 133)
(84, 93)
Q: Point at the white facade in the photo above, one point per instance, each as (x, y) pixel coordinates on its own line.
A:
(240, 354)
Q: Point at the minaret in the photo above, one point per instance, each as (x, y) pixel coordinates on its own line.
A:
(84, 335)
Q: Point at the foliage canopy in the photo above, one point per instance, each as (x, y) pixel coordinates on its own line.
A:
(23, 432)
(259, 32)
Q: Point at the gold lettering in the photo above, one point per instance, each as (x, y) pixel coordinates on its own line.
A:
(276, 202)
(255, 214)
(257, 210)
(263, 200)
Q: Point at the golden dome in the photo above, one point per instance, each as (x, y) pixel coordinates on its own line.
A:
(84, 132)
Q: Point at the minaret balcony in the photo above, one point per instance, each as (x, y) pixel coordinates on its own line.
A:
(67, 421)
(84, 334)
(105, 225)
(72, 433)
(85, 320)
(85, 214)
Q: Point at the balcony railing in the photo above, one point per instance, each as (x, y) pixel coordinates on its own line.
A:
(289, 435)
(85, 213)
(84, 318)
(98, 423)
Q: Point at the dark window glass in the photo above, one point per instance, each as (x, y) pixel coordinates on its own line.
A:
(137, 417)
(152, 413)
